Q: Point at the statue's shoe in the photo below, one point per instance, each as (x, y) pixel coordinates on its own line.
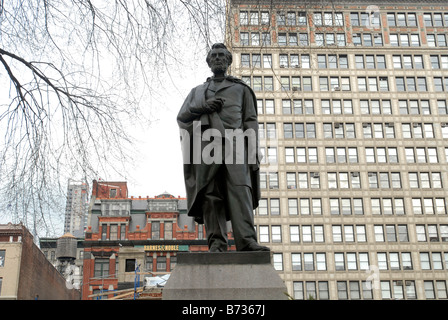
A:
(255, 247)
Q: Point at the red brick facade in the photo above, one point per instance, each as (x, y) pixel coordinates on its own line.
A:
(153, 243)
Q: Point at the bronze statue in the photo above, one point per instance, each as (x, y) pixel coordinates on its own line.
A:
(219, 131)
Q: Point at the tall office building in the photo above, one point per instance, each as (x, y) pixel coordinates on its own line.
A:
(76, 208)
(352, 106)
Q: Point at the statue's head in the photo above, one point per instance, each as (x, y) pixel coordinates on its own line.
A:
(219, 58)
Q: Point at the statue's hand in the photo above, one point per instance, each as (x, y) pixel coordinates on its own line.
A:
(213, 105)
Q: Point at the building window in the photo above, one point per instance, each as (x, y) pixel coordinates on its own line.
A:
(148, 263)
(342, 290)
(245, 60)
(440, 288)
(155, 230)
(273, 180)
(306, 234)
(114, 208)
(101, 268)
(103, 232)
(254, 17)
(308, 261)
(354, 19)
(292, 207)
(255, 39)
(244, 38)
(161, 263)
(341, 155)
(303, 41)
(2, 258)
(278, 261)
(339, 261)
(263, 233)
(130, 265)
(429, 289)
(337, 107)
(123, 232)
(282, 39)
(257, 86)
(296, 262)
(337, 233)
(276, 234)
(263, 207)
(168, 226)
(113, 232)
(375, 107)
(398, 289)
(244, 18)
(370, 61)
(385, 290)
(414, 107)
(294, 234)
(275, 207)
(428, 206)
(298, 290)
(430, 293)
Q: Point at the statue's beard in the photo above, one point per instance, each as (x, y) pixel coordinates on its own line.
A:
(219, 68)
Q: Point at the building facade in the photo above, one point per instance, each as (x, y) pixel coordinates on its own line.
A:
(132, 238)
(76, 208)
(25, 273)
(352, 107)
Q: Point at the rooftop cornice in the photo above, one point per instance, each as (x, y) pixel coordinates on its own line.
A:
(340, 2)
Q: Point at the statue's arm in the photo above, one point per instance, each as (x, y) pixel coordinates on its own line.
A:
(189, 111)
(194, 107)
(250, 121)
(249, 111)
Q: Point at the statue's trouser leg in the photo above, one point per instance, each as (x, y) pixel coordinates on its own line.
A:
(239, 204)
(214, 215)
(222, 196)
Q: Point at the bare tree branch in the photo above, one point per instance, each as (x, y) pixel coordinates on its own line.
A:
(78, 74)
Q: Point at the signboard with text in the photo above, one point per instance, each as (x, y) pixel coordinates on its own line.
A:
(163, 247)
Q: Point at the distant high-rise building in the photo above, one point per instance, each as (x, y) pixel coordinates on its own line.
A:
(76, 208)
(352, 104)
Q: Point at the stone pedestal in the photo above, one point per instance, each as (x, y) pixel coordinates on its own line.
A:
(224, 276)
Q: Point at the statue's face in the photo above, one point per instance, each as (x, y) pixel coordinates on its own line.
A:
(218, 61)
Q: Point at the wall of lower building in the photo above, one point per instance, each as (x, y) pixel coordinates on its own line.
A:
(9, 269)
(38, 279)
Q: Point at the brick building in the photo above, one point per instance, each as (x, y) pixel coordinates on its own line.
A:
(352, 105)
(25, 273)
(126, 233)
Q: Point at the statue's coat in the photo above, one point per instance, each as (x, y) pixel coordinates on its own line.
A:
(239, 111)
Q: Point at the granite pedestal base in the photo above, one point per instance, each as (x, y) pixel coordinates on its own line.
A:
(224, 276)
